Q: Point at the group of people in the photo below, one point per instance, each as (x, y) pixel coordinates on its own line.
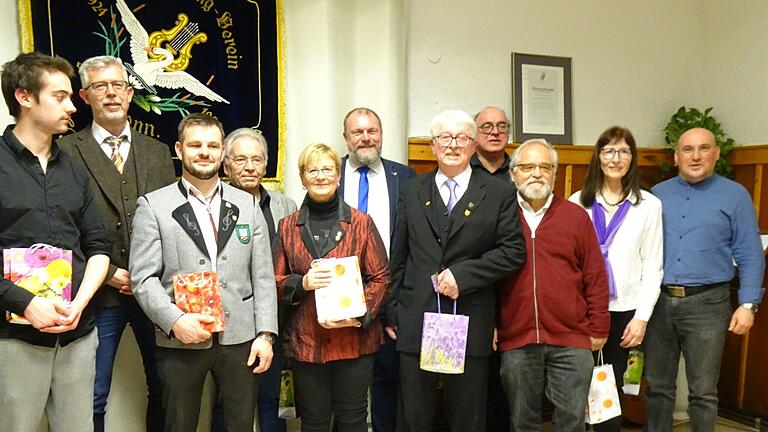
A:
(545, 282)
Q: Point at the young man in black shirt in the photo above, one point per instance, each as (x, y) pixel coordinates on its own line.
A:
(47, 366)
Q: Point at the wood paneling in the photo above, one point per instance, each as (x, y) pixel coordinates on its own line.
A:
(743, 379)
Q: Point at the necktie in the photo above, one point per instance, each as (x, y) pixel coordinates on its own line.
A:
(362, 190)
(116, 159)
(451, 183)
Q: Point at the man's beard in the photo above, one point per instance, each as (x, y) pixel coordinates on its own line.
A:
(367, 156)
(200, 174)
(535, 190)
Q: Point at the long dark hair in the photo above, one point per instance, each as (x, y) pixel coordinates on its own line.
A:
(630, 183)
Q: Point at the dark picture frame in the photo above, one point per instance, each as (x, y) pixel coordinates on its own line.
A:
(550, 103)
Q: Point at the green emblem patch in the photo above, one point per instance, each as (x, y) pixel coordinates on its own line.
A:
(243, 232)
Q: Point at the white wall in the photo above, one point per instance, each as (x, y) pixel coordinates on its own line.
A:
(633, 63)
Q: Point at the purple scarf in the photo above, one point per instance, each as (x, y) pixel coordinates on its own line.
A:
(605, 236)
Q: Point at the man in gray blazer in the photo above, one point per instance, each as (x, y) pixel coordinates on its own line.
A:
(123, 164)
(201, 224)
(245, 163)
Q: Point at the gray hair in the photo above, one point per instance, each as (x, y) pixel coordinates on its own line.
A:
(245, 132)
(452, 119)
(540, 141)
(98, 62)
(504, 113)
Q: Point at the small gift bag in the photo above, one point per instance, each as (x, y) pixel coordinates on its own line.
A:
(43, 270)
(443, 340)
(287, 402)
(603, 399)
(198, 292)
(344, 297)
(634, 372)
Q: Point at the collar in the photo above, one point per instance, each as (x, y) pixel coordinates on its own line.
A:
(264, 198)
(527, 207)
(100, 134)
(17, 147)
(462, 179)
(186, 187)
(345, 212)
(698, 184)
(376, 167)
(474, 162)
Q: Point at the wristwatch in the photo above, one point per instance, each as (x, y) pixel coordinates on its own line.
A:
(751, 306)
(269, 337)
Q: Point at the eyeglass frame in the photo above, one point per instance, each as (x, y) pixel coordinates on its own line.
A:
(624, 153)
(327, 173)
(529, 168)
(490, 126)
(453, 138)
(243, 161)
(96, 86)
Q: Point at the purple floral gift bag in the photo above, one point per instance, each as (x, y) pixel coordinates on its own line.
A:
(444, 341)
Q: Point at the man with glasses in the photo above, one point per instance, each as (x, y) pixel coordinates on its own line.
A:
(371, 184)
(709, 224)
(245, 163)
(492, 138)
(554, 311)
(124, 165)
(460, 227)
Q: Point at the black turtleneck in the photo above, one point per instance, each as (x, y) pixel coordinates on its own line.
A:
(322, 217)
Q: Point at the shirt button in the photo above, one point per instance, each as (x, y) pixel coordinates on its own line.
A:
(201, 262)
(223, 257)
(681, 237)
(683, 216)
(129, 214)
(125, 198)
(124, 182)
(445, 229)
(119, 224)
(226, 313)
(678, 260)
(688, 199)
(122, 252)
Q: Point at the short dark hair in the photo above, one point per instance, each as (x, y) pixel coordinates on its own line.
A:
(25, 72)
(595, 177)
(362, 111)
(199, 119)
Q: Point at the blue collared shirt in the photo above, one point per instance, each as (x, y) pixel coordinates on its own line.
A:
(707, 226)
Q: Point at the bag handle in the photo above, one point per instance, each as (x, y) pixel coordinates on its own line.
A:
(600, 361)
(437, 294)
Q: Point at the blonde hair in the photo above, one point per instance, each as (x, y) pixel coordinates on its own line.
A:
(314, 151)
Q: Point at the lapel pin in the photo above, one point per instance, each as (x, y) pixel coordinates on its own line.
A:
(471, 204)
(234, 217)
(338, 235)
(428, 203)
(228, 205)
(467, 213)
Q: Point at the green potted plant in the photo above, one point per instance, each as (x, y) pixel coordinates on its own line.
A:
(687, 118)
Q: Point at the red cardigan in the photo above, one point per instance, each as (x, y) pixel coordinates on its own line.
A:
(560, 296)
(307, 340)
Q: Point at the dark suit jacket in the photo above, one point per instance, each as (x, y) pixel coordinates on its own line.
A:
(397, 175)
(481, 244)
(154, 169)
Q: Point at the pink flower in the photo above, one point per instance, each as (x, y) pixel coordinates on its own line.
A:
(41, 257)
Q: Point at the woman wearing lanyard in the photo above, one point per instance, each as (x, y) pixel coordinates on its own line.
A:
(332, 360)
(628, 225)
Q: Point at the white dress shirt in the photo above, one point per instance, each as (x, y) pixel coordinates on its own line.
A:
(378, 195)
(533, 218)
(636, 254)
(201, 205)
(100, 134)
(462, 182)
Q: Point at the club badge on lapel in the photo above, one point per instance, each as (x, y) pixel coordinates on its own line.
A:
(243, 232)
(468, 211)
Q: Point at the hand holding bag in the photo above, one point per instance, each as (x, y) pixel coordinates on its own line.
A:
(603, 399)
(443, 340)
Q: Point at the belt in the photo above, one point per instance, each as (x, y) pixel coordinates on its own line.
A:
(686, 291)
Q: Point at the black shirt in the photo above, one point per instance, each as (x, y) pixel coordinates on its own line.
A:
(54, 207)
(264, 201)
(502, 173)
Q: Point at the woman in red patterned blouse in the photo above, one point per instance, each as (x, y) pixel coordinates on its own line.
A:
(332, 360)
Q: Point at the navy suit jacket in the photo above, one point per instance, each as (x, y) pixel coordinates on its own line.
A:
(397, 175)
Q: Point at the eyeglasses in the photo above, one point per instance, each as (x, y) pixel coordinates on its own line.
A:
(373, 133)
(545, 168)
(445, 140)
(609, 153)
(243, 161)
(502, 127)
(101, 86)
(689, 150)
(315, 173)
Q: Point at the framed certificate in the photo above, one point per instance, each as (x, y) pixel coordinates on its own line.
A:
(541, 98)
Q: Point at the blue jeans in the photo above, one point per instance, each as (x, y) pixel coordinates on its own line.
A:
(267, 398)
(697, 327)
(562, 373)
(110, 323)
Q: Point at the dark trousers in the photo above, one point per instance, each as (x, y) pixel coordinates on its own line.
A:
(617, 357)
(695, 326)
(183, 372)
(498, 406)
(338, 388)
(268, 395)
(110, 324)
(465, 395)
(384, 410)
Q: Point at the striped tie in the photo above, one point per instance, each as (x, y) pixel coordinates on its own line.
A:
(114, 142)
